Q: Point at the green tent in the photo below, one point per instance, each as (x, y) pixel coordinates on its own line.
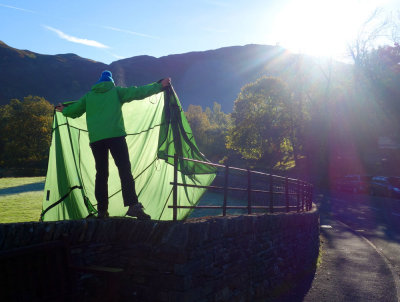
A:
(156, 130)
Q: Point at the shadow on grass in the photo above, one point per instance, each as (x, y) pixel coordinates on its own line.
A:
(35, 187)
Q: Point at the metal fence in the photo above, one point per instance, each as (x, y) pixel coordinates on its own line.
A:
(263, 192)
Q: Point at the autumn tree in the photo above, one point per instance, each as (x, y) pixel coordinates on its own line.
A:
(384, 72)
(209, 129)
(199, 124)
(376, 55)
(25, 128)
(216, 117)
(219, 125)
(375, 28)
(261, 121)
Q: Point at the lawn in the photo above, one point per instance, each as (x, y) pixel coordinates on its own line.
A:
(21, 199)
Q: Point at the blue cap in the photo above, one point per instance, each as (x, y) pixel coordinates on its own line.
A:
(106, 76)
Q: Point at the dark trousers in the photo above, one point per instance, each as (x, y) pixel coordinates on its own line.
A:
(119, 151)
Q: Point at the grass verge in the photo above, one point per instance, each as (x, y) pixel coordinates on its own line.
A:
(20, 199)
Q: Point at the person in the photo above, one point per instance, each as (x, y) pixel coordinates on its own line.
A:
(105, 124)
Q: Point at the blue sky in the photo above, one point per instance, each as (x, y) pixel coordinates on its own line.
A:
(106, 31)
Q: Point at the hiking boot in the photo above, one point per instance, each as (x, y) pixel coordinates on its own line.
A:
(103, 214)
(137, 211)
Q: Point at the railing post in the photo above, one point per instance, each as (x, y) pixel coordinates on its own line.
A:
(287, 194)
(175, 189)
(271, 193)
(311, 195)
(298, 195)
(249, 191)
(303, 195)
(225, 191)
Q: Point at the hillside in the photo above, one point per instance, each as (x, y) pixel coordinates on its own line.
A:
(199, 77)
(55, 77)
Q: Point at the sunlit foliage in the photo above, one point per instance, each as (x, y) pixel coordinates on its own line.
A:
(209, 129)
(25, 132)
(261, 120)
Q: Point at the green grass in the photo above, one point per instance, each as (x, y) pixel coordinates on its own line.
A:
(20, 199)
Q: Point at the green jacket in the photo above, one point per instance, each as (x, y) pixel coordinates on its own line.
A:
(102, 105)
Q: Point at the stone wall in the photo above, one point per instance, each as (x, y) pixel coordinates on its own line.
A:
(233, 258)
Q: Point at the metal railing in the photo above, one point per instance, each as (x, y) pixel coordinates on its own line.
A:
(284, 193)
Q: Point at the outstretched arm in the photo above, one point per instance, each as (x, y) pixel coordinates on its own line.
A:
(74, 110)
(141, 92)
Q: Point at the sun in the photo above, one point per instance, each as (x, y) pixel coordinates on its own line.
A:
(321, 27)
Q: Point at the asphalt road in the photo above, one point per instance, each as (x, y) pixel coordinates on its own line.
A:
(361, 249)
(375, 218)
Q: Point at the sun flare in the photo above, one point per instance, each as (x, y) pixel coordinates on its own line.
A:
(320, 27)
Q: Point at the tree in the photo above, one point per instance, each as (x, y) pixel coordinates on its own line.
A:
(216, 117)
(299, 83)
(375, 28)
(383, 72)
(199, 123)
(25, 128)
(376, 55)
(216, 134)
(261, 121)
(209, 129)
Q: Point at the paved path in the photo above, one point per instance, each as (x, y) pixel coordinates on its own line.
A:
(360, 252)
(352, 269)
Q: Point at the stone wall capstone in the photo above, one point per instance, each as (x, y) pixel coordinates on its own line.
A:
(232, 258)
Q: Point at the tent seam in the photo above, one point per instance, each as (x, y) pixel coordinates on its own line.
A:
(162, 212)
(58, 201)
(135, 177)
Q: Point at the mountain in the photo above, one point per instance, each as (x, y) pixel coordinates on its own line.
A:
(199, 78)
(55, 77)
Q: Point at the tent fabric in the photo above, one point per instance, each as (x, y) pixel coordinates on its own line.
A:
(156, 130)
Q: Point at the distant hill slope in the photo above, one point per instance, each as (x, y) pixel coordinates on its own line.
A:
(199, 77)
(55, 77)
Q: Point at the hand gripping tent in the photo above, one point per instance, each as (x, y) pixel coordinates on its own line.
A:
(156, 130)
